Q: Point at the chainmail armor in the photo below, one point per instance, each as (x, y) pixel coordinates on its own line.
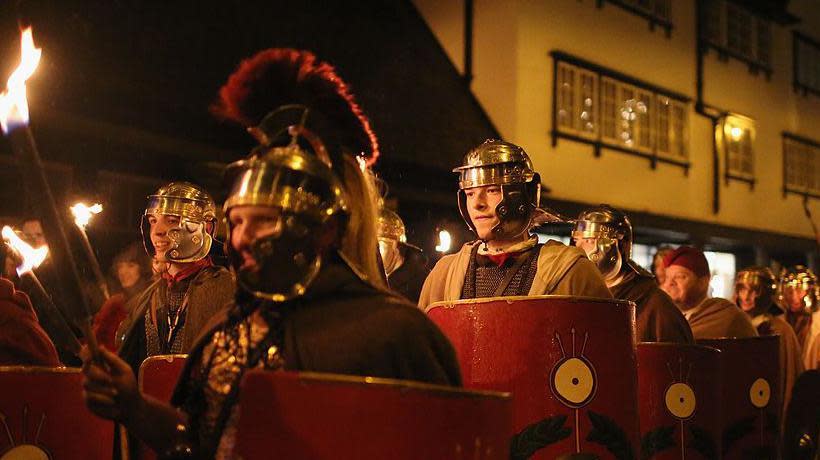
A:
(488, 275)
(156, 334)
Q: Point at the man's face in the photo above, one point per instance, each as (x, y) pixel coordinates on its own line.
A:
(481, 204)
(588, 245)
(684, 287)
(249, 223)
(160, 225)
(746, 296)
(33, 233)
(794, 297)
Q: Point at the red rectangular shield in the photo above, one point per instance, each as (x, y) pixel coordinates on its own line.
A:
(323, 417)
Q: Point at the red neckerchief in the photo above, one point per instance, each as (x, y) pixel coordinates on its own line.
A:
(499, 259)
(188, 271)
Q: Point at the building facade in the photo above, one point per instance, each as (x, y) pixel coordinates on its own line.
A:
(699, 117)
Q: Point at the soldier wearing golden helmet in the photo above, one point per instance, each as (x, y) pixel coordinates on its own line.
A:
(499, 195)
(605, 234)
(799, 295)
(755, 289)
(177, 231)
(404, 264)
(301, 218)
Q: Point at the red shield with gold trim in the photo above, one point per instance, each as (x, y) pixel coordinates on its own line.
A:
(158, 377)
(159, 374)
(325, 416)
(568, 361)
(44, 416)
(751, 395)
(679, 387)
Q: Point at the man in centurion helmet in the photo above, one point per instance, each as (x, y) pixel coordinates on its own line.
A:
(605, 234)
(687, 283)
(301, 218)
(404, 264)
(755, 289)
(498, 198)
(177, 231)
(799, 294)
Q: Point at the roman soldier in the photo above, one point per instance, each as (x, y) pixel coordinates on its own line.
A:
(404, 264)
(177, 231)
(755, 289)
(301, 216)
(605, 234)
(498, 197)
(799, 294)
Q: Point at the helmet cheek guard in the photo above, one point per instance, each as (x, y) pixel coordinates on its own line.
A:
(515, 210)
(192, 238)
(507, 166)
(297, 179)
(612, 232)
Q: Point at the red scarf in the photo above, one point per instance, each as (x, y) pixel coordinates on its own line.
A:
(189, 270)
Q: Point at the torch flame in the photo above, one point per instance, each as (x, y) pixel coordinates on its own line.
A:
(32, 258)
(13, 103)
(83, 213)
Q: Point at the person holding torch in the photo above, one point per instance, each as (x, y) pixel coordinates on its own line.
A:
(301, 215)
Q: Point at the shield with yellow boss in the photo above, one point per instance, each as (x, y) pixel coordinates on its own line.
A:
(43, 416)
(751, 396)
(679, 387)
(568, 361)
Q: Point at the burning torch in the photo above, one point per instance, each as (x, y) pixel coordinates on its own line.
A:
(51, 318)
(82, 216)
(14, 119)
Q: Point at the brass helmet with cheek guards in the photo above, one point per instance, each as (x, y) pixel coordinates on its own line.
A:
(612, 232)
(297, 180)
(192, 238)
(803, 278)
(762, 281)
(507, 165)
(391, 235)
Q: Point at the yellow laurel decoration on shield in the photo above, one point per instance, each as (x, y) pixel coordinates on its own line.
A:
(574, 381)
(680, 400)
(760, 392)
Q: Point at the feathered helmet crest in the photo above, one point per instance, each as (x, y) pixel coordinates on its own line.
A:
(279, 78)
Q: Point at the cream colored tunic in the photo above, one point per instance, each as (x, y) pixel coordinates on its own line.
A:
(791, 364)
(561, 270)
(811, 348)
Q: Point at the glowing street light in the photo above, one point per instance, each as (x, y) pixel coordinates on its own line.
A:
(445, 241)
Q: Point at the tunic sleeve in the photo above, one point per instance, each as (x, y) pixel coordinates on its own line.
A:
(661, 321)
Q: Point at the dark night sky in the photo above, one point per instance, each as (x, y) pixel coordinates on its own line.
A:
(158, 67)
(125, 85)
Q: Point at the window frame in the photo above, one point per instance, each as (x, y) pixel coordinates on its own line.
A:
(599, 140)
(654, 19)
(799, 38)
(721, 45)
(815, 147)
(747, 137)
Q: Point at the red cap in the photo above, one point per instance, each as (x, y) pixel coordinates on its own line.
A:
(688, 257)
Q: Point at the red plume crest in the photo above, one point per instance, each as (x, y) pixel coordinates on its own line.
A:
(281, 76)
